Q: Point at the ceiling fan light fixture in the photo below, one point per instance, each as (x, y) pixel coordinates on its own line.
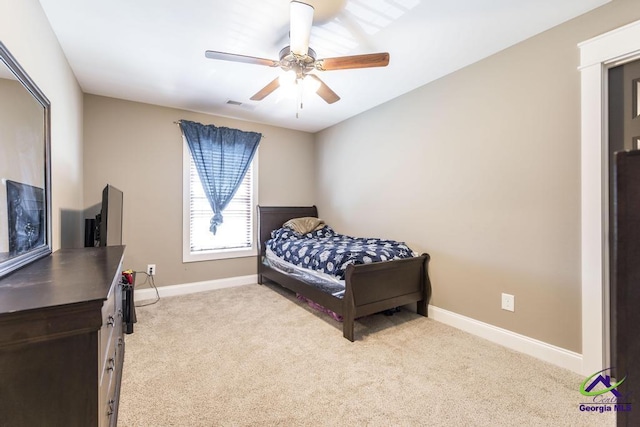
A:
(288, 78)
(299, 61)
(300, 27)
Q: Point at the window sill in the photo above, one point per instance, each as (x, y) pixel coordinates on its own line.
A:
(217, 255)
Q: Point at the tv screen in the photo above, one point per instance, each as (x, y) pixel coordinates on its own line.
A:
(111, 217)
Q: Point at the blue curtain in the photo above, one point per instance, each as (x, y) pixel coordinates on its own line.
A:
(222, 157)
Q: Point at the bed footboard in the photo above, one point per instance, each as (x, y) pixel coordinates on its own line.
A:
(375, 287)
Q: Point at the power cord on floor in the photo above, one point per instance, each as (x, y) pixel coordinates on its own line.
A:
(148, 280)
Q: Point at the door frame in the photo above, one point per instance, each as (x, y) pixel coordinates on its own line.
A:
(597, 55)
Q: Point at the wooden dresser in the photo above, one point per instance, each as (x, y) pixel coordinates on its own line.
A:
(61, 340)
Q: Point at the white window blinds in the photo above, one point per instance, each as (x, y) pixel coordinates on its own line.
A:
(236, 232)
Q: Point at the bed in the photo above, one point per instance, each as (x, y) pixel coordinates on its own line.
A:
(368, 288)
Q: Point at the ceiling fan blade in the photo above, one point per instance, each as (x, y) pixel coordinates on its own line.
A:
(355, 61)
(268, 89)
(212, 54)
(300, 27)
(324, 91)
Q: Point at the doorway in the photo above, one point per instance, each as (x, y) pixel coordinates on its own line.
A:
(624, 135)
(597, 56)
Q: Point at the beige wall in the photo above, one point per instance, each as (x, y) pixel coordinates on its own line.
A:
(138, 149)
(481, 169)
(25, 31)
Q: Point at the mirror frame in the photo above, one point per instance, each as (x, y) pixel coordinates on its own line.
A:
(12, 264)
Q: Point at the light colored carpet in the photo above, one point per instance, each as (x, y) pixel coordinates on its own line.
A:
(254, 356)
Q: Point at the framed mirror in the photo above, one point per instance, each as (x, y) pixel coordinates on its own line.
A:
(25, 167)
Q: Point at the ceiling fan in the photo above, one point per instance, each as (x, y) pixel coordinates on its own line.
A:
(298, 60)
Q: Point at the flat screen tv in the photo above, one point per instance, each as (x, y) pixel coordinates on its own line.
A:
(109, 222)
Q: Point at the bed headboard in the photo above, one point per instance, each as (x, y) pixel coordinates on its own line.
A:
(272, 217)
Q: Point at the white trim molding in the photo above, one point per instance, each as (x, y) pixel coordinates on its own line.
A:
(597, 55)
(190, 288)
(529, 346)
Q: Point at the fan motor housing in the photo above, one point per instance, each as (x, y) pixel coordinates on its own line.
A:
(291, 61)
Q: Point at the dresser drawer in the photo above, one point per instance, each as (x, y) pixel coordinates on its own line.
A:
(109, 384)
(109, 372)
(110, 359)
(108, 323)
(112, 317)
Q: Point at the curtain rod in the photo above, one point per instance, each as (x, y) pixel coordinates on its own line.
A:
(261, 134)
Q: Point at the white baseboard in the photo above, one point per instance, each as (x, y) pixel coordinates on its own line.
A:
(189, 288)
(532, 347)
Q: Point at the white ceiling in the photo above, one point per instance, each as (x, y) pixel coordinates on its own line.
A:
(152, 51)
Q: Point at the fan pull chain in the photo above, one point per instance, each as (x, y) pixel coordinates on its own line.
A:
(299, 104)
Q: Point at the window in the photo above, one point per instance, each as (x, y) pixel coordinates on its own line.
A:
(236, 236)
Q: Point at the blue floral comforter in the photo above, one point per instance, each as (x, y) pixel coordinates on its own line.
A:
(329, 252)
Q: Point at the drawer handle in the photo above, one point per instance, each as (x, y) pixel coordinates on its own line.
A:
(111, 364)
(119, 312)
(111, 320)
(111, 405)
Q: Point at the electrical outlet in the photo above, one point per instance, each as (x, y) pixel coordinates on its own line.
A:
(508, 302)
(151, 269)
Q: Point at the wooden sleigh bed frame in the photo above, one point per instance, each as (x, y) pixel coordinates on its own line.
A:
(370, 288)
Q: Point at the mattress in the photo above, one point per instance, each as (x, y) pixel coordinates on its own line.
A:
(331, 253)
(322, 281)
